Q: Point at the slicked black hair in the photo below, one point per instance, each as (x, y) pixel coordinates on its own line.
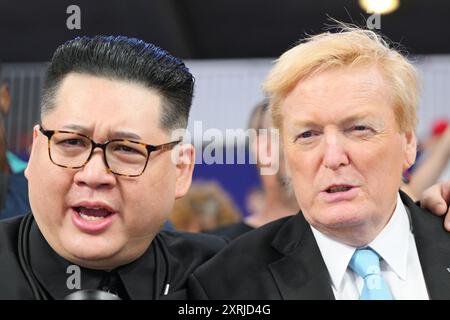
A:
(129, 59)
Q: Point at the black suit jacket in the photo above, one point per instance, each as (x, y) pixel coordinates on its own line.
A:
(282, 261)
(184, 253)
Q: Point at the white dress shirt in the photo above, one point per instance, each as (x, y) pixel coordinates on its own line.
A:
(400, 266)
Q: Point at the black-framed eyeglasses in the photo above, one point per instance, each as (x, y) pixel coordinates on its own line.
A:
(123, 157)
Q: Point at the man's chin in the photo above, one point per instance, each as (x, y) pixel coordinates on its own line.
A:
(353, 230)
(339, 223)
(92, 256)
(347, 222)
(96, 263)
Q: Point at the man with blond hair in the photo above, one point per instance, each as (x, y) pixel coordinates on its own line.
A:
(345, 104)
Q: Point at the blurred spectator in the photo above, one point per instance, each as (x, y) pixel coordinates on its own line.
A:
(434, 163)
(206, 206)
(13, 184)
(255, 201)
(438, 128)
(278, 199)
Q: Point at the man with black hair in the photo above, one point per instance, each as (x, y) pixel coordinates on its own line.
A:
(103, 175)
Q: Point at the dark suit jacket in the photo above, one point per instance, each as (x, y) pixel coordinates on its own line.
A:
(282, 261)
(185, 252)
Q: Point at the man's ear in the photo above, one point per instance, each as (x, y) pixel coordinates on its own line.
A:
(33, 147)
(5, 98)
(410, 149)
(184, 161)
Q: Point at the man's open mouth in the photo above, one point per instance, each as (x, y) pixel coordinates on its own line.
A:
(92, 214)
(341, 188)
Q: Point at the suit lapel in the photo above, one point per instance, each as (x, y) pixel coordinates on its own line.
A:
(301, 272)
(433, 247)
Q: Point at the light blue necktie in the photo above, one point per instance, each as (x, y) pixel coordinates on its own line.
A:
(366, 263)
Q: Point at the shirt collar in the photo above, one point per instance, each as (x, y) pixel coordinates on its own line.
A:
(51, 270)
(337, 255)
(393, 241)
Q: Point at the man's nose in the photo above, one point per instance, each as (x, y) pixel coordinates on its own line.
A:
(95, 172)
(335, 153)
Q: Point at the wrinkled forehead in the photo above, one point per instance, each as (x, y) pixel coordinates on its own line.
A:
(338, 90)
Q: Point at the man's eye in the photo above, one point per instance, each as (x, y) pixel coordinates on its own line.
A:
(73, 142)
(306, 137)
(127, 149)
(361, 131)
(360, 128)
(306, 134)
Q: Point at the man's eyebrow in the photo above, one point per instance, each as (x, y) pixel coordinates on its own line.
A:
(357, 117)
(307, 123)
(125, 135)
(114, 134)
(76, 128)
